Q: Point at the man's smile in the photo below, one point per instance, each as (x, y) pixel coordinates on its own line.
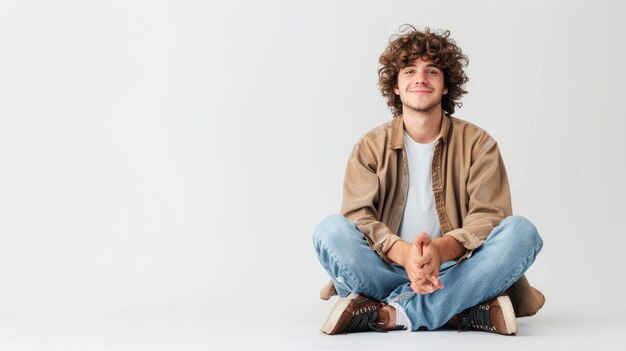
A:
(420, 91)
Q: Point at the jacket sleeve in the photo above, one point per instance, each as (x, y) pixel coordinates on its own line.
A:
(360, 199)
(489, 198)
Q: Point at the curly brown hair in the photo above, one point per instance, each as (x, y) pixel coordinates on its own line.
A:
(411, 44)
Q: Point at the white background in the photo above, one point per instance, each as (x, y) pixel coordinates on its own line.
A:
(174, 157)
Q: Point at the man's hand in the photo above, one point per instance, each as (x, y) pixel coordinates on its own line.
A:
(422, 265)
(421, 259)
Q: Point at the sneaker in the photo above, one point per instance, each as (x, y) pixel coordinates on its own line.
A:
(356, 313)
(495, 316)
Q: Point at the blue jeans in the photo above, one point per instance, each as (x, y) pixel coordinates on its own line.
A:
(353, 266)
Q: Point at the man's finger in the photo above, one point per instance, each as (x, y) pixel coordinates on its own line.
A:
(415, 287)
(423, 288)
(430, 275)
(434, 280)
(422, 239)
(422, 261)
(420, 247)
(418, 289)
(425, 281)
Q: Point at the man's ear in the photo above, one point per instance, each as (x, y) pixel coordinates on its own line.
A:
(396, 90)
(445, 90)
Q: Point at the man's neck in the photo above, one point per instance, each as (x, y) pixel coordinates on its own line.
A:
(423, 127)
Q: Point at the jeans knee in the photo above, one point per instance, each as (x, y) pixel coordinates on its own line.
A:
(525, 232)
(329, 230)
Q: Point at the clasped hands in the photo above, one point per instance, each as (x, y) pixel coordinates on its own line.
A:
(422, 265)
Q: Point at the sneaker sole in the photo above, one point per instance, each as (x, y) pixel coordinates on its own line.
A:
(335, 313)
(509, 315)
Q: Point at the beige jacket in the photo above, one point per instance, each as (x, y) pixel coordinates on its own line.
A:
(469, 182)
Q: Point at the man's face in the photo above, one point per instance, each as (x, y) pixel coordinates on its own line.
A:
(420, 86)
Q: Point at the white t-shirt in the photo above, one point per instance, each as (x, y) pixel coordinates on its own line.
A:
(419, 213)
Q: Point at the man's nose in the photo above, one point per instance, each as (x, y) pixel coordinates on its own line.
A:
(420, 78)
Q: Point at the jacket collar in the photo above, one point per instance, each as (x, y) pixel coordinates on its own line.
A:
(397, 131)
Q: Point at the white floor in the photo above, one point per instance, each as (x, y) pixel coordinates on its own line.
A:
(289, 330)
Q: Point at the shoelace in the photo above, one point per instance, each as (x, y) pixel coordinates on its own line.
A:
(364, 319)
(477, 317)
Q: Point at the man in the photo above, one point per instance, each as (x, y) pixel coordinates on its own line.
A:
(426, 236)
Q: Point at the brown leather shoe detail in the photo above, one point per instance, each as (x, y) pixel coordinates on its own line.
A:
(495, 316)
(357, 313)
(328, 291)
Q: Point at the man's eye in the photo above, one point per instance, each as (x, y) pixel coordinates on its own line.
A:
(432, 72)
(409, 71)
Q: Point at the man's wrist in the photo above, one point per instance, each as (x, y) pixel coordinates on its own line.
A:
(438, 244)
(448, 248)
(398, 252)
